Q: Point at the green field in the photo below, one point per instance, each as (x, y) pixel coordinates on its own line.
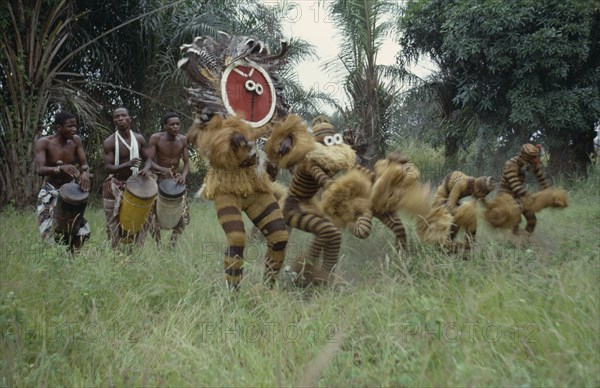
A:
(512, 314)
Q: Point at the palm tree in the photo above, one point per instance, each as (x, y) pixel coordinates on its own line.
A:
(63, 55)
(370, 87)
(34, 83)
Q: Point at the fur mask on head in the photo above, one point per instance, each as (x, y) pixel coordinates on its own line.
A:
(330, 153)
(302, 142)
(483, 186)
(348, 198)
(215, 141)
(530, 154)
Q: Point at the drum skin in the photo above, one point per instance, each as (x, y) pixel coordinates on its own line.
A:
(70, 207)
(138, 198)
(169, 205)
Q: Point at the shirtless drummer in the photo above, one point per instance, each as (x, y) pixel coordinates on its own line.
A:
(60, 158)
(166, 149)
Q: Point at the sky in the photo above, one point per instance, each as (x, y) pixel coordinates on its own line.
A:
(309, 20)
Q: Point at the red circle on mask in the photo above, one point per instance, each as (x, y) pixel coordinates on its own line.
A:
(244, 102)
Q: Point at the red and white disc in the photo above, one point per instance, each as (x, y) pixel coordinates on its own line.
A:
(248, 92)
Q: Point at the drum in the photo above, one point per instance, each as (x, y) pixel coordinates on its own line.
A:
(138, 198)
(169, 205)
(70, 207)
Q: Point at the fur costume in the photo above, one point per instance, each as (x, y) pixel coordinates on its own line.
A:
(389, 218)
(434, 227)
(458, 185)
(314, 170)
(226, 135)
(503, 211)
(397, 187)
(232, 170)
(556, 198)
(302, 142)
(311, 175)
(455, 186)
(466, 217)
(513, 179)
(347, 199)
(313, 206)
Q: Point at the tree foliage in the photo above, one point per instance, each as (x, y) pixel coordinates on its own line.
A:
(522, 67)
(35, 81)
(88, 58)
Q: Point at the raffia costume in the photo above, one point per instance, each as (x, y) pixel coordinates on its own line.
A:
(315, 159)
(397, 188)
(513, 199)
(453, 188)
(350, 197)
(387, 215)
(237, 97)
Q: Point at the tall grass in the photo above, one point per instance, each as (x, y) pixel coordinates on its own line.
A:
(514, 313)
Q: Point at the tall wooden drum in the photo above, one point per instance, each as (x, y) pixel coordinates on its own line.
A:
(138, 198)
(170, 203)
(70, 207)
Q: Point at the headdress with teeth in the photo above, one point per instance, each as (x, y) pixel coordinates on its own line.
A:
(234, 75)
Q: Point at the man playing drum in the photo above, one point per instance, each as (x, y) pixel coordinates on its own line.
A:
(166, 149)
(124, 152)
(56, 158)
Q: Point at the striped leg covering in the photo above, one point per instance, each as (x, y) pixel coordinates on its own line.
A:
(316, 249)
(394, 223)
(328, 237)
(264, 212)
(362, 227)
(229, 212)
(531, 222)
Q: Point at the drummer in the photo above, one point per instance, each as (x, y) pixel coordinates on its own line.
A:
(60, 158)
(124, 152)
(166, 149)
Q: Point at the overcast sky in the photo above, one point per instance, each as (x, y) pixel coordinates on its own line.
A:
(309, 20)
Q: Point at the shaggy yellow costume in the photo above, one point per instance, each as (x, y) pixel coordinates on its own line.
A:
(237, 183)
(501, 212)
(315, 165)
(398, 188)
(453, 188)
(235, 78)
(347, 199)
(382, 186)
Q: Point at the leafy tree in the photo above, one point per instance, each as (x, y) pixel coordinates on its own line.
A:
(65, 55)
(522, 67)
